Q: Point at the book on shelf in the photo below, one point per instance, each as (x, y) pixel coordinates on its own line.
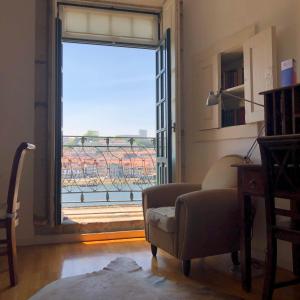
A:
(233, 117)
(288, 72)
(227, 118)
(232, 78)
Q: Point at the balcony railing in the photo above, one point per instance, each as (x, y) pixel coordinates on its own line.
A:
(111, 170)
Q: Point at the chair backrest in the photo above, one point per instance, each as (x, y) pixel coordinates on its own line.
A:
(14, 182)
(221, 174)
(280, 157)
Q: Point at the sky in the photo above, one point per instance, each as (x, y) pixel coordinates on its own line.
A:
(108, 89)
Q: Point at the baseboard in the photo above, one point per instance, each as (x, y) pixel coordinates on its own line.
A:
(88, 237)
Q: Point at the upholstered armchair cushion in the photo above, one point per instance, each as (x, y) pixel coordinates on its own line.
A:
(162, 218)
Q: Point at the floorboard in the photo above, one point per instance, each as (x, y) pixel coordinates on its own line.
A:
(40, 265)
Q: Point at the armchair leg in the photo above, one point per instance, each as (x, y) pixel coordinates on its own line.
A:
(186, 267)
(153, 250)
(235, 258)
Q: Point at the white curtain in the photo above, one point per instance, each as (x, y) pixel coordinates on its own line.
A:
(109, 25)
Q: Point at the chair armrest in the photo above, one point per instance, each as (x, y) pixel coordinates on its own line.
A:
(166, 194)
(207, 223)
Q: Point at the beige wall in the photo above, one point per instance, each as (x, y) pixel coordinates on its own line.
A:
(17, 19)
(206, 22)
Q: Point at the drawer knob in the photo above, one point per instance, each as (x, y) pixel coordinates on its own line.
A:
(252, 184)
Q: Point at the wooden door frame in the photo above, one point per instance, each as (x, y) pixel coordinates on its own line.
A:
(176, 108)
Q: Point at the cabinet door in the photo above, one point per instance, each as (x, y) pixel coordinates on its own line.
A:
(260, 71)
(206, 79)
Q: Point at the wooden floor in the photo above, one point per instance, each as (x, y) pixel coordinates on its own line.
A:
(40, 265)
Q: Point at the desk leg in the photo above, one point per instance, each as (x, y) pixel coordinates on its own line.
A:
(296, 259)
(295, 207)
(245, 202)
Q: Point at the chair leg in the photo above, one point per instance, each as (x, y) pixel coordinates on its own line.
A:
(12, 253)
(153, 250)
(235, 258)
(270, 272)
(186, 267)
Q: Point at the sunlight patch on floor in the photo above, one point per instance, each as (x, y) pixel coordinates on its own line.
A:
(114, 241)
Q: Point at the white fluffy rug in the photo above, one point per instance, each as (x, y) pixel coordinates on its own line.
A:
(123, 279)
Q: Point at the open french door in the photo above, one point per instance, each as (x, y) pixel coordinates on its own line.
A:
(58, 121)
(163, 111)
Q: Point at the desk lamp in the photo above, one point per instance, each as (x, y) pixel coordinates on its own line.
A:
(215, 98)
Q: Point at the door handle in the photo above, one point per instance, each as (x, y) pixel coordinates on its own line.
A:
(173, 127)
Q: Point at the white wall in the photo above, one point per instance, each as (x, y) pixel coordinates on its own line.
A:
(206, 22)
(17, 99)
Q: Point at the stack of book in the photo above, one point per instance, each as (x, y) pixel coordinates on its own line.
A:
(232, 78)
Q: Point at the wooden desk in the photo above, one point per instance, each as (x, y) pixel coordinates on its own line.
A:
(251, 183)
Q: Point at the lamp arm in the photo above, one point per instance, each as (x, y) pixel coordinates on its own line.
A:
(240, 98)
(253, 146)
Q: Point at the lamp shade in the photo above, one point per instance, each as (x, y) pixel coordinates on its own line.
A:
(213, 98)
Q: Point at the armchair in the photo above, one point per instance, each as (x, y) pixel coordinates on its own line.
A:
(191, 220)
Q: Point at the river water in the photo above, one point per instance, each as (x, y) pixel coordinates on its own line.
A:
(73, 199)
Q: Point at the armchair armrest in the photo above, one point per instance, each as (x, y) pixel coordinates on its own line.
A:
(166, 194)
(207, 223)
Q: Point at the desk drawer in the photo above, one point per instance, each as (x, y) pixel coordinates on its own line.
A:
(253, 182)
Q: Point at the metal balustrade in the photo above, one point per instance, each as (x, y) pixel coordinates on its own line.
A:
(111, 170)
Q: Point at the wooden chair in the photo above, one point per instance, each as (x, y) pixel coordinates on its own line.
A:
(281, 166)
(9, 218)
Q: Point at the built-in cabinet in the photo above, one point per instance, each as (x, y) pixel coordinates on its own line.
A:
(245, 65)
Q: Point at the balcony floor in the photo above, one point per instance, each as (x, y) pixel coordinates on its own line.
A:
(103, 214)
